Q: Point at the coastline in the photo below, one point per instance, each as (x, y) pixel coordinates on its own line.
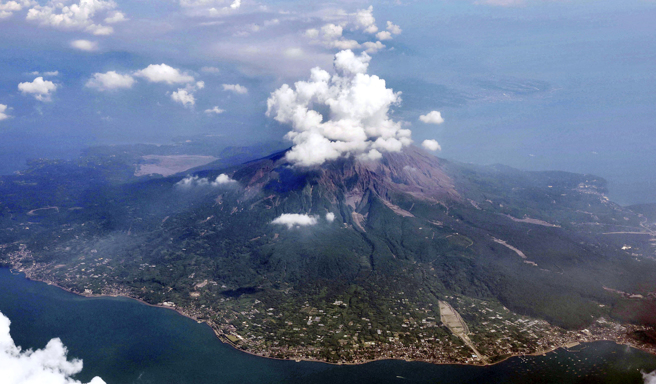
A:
(223, 338)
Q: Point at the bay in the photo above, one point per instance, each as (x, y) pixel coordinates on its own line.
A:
(125, 341)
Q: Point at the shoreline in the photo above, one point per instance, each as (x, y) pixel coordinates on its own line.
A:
(223, 339)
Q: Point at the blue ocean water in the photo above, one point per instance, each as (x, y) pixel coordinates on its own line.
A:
(124, 342)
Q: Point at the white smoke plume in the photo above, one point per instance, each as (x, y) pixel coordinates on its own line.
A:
(340, 115)
(330, 217)
(292, 220)
(49, 365)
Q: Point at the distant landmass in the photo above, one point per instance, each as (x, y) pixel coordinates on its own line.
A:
(411, 257)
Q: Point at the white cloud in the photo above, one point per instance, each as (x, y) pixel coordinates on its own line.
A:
(331, 31)
(183, 97)
(312, 33)
(162, 73)
(431, 145)
(236, 88)
(343, 44)
(110, 81)
(650, 378)
(195, 181)
(213, 70)
(8, 8)
(364, 20)
(384, 35)
(211, 8)
(330, 217)
(84, 45)
(3, 112)
(77, 16)
(394, 29)
(48, 74)
(223, 179)
(292, 220)
(372, 47)
(41, 89)
(116, 17)
(49, 365)
(433, 117)
(215, 110)
(356, 105)
(331, 35)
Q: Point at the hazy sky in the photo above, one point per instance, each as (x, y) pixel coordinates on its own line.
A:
(534, 84)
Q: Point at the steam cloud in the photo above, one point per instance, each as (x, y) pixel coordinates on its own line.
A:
(292, 220)
(356, 105)
(44, 366)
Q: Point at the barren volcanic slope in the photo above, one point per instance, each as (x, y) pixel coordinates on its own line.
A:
(529, 260)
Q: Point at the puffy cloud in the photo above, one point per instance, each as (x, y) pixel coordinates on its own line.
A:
(195, 181)
(116, 17)
(364, 20)
(331, 35)
(384, 35)
(78, 16)
(393, 29)
(162, 73)
(212, 70)
(292, 220)
(650, 378)
(236, 88)
(223, 179)
(431, 145)
(433, 117)
(216, 110)
(49, 365)
(3, 112)
(8, 8)
(355, 104)
(372, 47)
(85, 45)
(110, 81)
(183, 97)
(331, 31)
(41, 89)
(330, 217)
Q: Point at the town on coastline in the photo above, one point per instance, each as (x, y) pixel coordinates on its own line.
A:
(437, 334)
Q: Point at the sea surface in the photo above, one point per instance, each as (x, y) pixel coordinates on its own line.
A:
(124, 341)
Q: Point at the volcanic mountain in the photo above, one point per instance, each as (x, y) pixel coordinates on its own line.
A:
(381, 245)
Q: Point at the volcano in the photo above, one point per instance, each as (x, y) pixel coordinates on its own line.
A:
(381, 247)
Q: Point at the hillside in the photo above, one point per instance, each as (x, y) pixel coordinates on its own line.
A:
(532, 256)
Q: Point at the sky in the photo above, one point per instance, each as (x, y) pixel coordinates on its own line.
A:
(534, 84)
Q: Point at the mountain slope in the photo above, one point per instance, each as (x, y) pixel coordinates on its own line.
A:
(408, 231)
